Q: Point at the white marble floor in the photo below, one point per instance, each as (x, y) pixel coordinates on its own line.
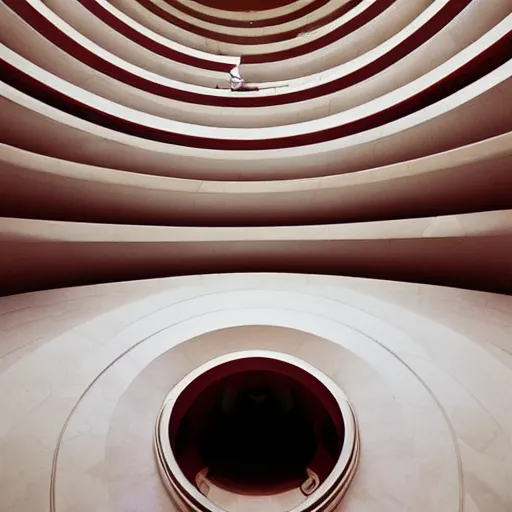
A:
(83, 373)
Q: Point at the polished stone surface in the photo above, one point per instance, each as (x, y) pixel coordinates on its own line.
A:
(378, 145)
(425, 367)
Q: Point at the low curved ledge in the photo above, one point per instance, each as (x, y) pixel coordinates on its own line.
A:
(462, 71)
(436, 129)
(158, 10)
(292, 384)
(32, 45)
(37, 186)
(292, 10)
(160, 17)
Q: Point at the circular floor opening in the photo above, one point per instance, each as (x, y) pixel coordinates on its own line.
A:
(253, 427)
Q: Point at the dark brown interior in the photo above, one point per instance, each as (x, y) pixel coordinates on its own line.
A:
(256, 430)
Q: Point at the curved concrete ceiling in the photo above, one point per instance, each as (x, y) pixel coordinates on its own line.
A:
(355, 211)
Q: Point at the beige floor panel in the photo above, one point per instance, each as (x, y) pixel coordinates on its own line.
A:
(433, 437)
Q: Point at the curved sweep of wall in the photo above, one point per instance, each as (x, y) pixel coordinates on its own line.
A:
(241, 17)
(155, 14)
(335, 21)
(466, 250)
(468, 179)
(465, 29)
(432, 88)
(355, 212)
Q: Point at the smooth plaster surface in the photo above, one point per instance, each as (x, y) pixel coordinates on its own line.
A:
(259, 234)
(424, 367)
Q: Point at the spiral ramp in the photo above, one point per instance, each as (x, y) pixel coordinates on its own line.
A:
(355, 212)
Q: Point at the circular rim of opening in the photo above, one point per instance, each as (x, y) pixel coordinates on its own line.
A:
(189, 498)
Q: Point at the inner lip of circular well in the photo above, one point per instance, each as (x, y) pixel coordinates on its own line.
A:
(257, 424)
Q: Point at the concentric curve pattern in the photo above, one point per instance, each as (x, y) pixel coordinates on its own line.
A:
(256, 428)
(187, 180)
